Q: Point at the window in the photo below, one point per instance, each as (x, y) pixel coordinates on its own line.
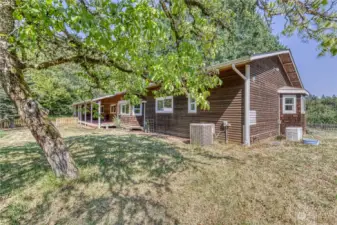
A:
(137, 110)
(164, 105)
(113, 108)
(303, 105)
(102, 108)
(124, 108)
(289, 104)
(192, 105)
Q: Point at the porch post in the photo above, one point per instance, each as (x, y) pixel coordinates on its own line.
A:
(144, 122)
(81, 114)
(99, 114)
(85, 113)
(91, 112)
(247, 106)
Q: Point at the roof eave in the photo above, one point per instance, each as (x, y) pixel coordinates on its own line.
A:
(298, 74)
(245, 60)
(228, 65)
(98, 99)
(302, 91)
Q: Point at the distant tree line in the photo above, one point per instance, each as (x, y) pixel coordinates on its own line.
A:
(321, 109)
(55, 89)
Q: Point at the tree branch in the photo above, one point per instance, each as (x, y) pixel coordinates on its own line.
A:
(205, 11)
(173, 22)
(77, 59)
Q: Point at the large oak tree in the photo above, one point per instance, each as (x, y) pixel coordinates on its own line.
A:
(132, 42)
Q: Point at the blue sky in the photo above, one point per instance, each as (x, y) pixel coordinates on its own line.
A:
(319, 74)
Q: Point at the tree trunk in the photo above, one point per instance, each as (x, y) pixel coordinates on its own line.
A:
(30, 111)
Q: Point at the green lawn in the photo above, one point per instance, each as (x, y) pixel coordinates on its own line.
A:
(2, 133)
(138, 179)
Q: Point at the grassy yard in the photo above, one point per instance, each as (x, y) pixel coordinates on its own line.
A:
(2, 133)
(141, 179)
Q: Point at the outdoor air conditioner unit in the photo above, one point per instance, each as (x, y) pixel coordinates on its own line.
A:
(202, 133)
(294, 133)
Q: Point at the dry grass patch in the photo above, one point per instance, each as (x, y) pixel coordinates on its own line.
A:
(138, 179)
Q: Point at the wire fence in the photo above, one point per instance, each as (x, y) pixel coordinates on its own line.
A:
(323, 126)
(17, 123)
(66, 121)
(14, 123)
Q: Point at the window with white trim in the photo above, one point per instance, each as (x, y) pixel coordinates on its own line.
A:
(289, 104)
(113, 108)
(164, 105)
(302, 104)
(137, 110)
(124, 107)
(192, 105)
(102, 108)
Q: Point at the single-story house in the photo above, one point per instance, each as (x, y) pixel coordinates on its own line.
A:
(264, 91)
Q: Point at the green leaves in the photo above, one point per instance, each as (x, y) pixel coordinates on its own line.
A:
(314, 20)
(132, 43)
(249, 34)
(321, 110)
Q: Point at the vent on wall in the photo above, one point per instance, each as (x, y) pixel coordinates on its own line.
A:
(202, 133)
(252, 117)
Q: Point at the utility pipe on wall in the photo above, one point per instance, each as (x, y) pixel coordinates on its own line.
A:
(247, 106)
(246, 78)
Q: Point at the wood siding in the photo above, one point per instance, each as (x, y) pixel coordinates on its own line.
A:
(267, 76)
(126, 120)
(292, 120)
(107, 102)
(226, 103)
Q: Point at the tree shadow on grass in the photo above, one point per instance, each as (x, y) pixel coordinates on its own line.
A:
(120, 163)
(21, 166)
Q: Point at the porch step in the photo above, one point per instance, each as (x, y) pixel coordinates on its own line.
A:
(133, 127)
(108, 125)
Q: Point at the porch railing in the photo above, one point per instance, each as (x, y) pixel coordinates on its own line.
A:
(65, 121)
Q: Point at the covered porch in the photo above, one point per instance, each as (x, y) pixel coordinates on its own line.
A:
(99, 112)
(95, 124)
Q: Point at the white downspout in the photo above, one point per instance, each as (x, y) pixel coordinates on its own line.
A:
(247, 106)
(246, 78)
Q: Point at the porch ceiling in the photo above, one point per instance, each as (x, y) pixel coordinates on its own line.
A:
(98, 99)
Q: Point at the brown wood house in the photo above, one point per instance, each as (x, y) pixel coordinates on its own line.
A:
(264, 91)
